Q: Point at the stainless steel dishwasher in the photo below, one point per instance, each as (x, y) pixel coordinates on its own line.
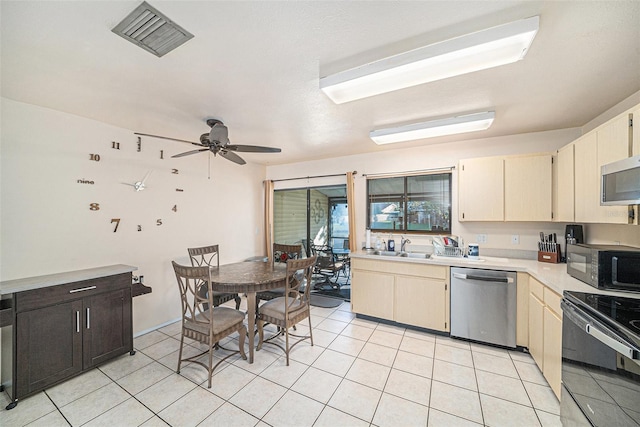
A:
(483, 305)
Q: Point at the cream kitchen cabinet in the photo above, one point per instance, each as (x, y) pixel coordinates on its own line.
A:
(481, 189)
(511, 188)
(528, 188)
(564, 210)
(408, 293)
(587, 179)
(636, 132)
(545, 332)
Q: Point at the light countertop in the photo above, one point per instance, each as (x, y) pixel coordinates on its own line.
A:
(30, 283)
(553, 276)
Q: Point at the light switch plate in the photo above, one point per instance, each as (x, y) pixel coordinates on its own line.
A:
(481, 238)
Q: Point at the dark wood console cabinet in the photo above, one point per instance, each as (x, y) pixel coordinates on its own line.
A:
(63, 330)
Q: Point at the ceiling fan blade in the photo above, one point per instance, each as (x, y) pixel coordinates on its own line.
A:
(252, 149)
(170, 139)
(229, 155)
(188, 153)
(220, 133)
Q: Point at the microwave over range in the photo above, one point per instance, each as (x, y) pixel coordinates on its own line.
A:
(605, 266)
(620, 182)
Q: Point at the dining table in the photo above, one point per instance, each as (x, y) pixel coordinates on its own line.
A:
(247, 278)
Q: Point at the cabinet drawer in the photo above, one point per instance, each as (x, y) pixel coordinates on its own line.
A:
(552, 300)
(536, 288)
(406, 268)
(51, 295)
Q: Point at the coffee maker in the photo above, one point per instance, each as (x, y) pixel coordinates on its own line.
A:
(573, 234)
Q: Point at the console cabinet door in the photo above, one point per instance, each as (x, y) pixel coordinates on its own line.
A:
(107, 326)
(48, 346)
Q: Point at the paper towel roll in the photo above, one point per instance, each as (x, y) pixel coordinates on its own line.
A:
(368, 245)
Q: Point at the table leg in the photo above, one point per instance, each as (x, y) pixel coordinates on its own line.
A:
(251, 314)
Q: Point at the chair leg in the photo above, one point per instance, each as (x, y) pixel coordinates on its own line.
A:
(310, 330)
(286, 334)
(238, 301)
(243, 334)
(260, 334)
(210, 370)
(180, 352)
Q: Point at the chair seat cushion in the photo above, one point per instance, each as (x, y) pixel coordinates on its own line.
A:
(223, 318)
(275, 308)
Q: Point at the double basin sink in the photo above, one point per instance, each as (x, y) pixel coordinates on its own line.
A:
(419, 255)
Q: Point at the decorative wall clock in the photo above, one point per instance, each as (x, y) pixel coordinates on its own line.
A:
(142, 188)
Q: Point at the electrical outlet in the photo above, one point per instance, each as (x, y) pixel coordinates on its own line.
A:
(515, 239)
(481, 238)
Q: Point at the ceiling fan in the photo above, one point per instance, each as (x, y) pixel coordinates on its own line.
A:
(217, 142)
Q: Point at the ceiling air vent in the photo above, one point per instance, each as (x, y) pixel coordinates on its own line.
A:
(151, 30)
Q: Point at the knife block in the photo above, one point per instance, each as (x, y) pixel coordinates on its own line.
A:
(551, 257)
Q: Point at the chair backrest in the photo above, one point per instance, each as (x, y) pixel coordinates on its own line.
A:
(283, 253)
(205, 256)
(195, 303)
(299, 271)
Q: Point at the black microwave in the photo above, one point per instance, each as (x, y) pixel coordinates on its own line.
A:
(605, 266)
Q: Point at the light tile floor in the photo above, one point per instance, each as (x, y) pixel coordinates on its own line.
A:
(358, 373)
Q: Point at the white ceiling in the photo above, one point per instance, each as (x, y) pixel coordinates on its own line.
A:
(256, 66)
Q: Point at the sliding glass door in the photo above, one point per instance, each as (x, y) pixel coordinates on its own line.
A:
(317, 215)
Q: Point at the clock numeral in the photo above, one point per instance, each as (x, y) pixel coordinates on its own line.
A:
(94, 206)
(85, 181)
(139, 144)
(179, 190)
(139, 228)
(115, 145)
(158, 222)
(174, 171)
(162, 154)
(117, 221)
(94, 157)
(175, 208)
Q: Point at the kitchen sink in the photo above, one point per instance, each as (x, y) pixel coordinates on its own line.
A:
(419, 255)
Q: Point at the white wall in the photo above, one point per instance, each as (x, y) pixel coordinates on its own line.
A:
(47, 226)
(437, 156)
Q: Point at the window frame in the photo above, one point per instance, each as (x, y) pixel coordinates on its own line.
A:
(404, 198)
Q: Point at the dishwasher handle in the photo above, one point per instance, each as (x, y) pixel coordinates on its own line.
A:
(483, 278)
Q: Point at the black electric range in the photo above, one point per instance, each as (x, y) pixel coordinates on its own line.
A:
(600, 360)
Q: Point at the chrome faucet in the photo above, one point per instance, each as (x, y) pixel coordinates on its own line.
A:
(403, 242)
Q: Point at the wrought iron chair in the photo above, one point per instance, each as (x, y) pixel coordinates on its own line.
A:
(205, 257)
(201, 320)
(293, 307)
(327, 266)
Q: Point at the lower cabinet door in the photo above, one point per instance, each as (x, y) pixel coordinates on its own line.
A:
(536, 330)
(421, 302)
(372, 294)
(107, 326)
(48, 346)
(553, 350)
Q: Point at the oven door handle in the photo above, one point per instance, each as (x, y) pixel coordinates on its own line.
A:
(612, 343)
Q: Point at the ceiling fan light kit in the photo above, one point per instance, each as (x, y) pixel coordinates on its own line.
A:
(440, 127)
(477, 51)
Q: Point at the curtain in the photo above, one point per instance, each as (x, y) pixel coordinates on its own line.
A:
(351, 209)
(268, 218)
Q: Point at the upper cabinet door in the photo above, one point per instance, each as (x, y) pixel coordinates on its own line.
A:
(613, 144)
(528, 188)
(481, 189)
(587, 178)
(564, 211)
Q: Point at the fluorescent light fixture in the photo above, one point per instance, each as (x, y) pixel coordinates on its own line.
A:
(433, 128)
(484, 49)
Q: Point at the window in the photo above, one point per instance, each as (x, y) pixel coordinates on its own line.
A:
(416, 203)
